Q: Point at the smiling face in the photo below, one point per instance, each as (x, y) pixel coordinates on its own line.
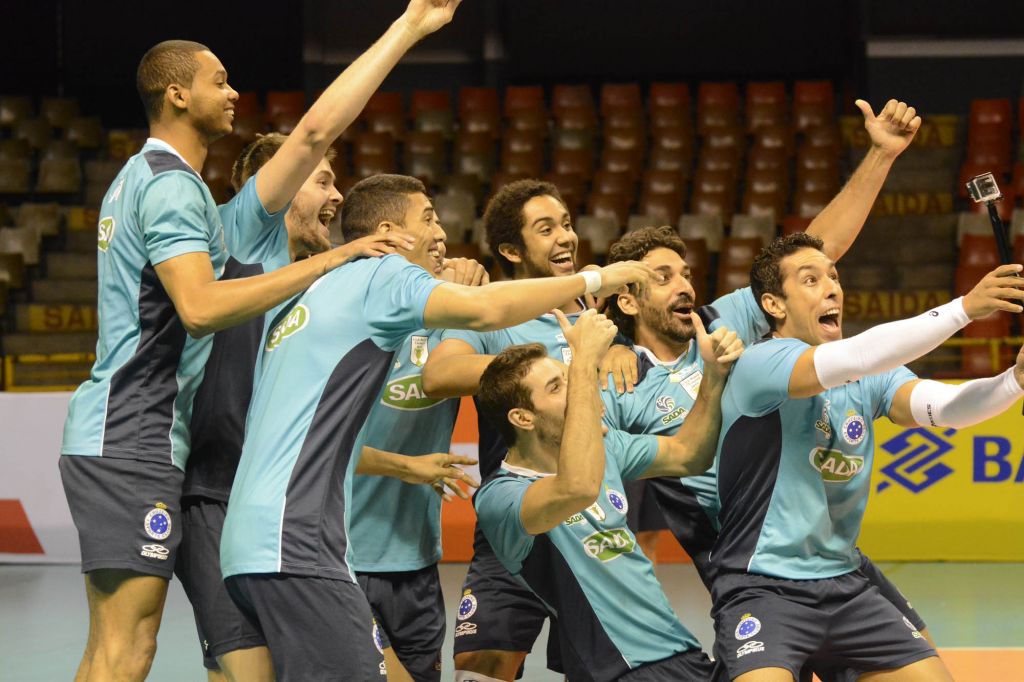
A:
(311, 212)
(547, 383)
(811, 308)
(662, 310)
(209, 100)
(549, 240)
(421, 221)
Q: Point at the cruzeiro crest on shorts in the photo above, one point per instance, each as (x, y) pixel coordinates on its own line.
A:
(467, 607)
(747, 627)
(158, 522)
(377, 640)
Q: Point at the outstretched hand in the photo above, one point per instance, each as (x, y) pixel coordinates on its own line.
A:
(440, 471)
(719, 349)
(423, 17)
(894, 128)
(994, 290)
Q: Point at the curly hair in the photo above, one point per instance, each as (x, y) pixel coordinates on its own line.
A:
(501, 386)
(766, 273)
(634, 246)
(503, 217)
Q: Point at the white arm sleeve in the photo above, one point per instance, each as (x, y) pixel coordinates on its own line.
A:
(888, 345)
(933, 403)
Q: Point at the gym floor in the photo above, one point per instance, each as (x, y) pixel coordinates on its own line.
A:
(974, 612)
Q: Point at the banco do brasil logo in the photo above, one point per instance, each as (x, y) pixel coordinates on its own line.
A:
(917, 464)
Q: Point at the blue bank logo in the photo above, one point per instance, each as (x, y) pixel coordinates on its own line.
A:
(917, 464)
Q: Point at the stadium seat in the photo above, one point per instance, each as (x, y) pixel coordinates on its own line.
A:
(665, 208)
(990, 113)
(227, 147)
(520, 98)
(991, 153)
(673, 139)
(813, 92)
(720, 94)
(978, 251)
(771, 93)
(767, 205)
(1018, 248)
(638, 221)
(825, 136)
(614, 206)
(715, 182)
(765, 159)
(620, 96)
(384, 102)
(792, 224)
(666, 117)
(576, 119)
(15, 149)
(21, 240)
(678, 161)
(284, 122)
(535, 122)
(710, 228)
(456, 210)
(739, 251)
(59, 176)
(623, 119)
(59, 149)
(248, 127)
(812, 115)
(389, 122)
(810, 204)
(760, 116)
(425, 144)
(619, 161)
(474, 155)
(285, 102)
(631, 140)
(374, 144)
(481, 122)
(1004, 206)
(816, 158)
(614, 182)
(766, 105)
(823, 180)
(430, 100)
(600, 231)
(712, 117)
(527, 164)
(577, 98)
(1017, 183)
(428, 169)
(719, 161)
(471, 250)
(669, 96)
(731, 278)
(36, 131)
(965, 277)
(571, 187)
(519, 141)
(85, 132)
(14, 176)
(102, 172)
(755, 226)
(59, 111)
(365, 164)
(14, 108)
(428, 121)
(12, 270)
(725, 137)
(478, 100)
(573, 138)
(248, 104)
(663, 182)
(502, 178)
(584, 253)
(717, 204)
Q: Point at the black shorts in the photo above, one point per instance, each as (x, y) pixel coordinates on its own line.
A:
(317, 629)
(409, 610)
(688, 521)
(499, 612)
(221, 626)
(890, 591)
(643, 513)
(127, 512)
(831, 624)
(688, 666)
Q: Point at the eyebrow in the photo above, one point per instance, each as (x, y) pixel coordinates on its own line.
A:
(428, 210)
(221, 72)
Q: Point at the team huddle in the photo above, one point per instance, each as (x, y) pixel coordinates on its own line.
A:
(269, 418)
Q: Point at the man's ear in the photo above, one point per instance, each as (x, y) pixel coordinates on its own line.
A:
(510, 252)
(626, 303)
(385, 226)
(774, 306)
(521, 418)
(176, 96)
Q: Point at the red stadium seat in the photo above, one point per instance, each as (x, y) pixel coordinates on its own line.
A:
(720, 204)
(248, 104)
(978, 251)
(669, 96)
(966, 277)
(528, 164)
(478, 100)
(810, 204)
(712, 117)
(719, 160)
(671, 160)
(571, 97)
(613, 206)
(770, 204)
(486, 122)
(576, 118)
(383, 102)
(764, 158)
(774, 137)
(391, 123)
(812, 115)
(614, 182)
(519, 141)
(629, 140)
(620, 96)
(773, 93)
(819, 180)
(1004, 206)
(435, 121)
(731, 278)
(826, 136)
(621, 161)
(285, 102)
(723, 94)
(664, 182)
(792, 224)
(725, 137)
(765, 116)
(739, 251)
(994, 113)
(664, 207)
(767, 181)
(573, 161)
(813, 92)
(992, 153)
(623, 119)
(714, 182)
(664, 117)
(571, 187)
(520, 99)
(430, 100)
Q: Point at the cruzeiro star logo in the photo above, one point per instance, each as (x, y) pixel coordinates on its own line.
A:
(916, 465)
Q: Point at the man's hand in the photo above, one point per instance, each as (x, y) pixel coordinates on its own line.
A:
(423, 17)
(375, 245)
(591, 336)
(893, 129)
(440, 471)
(990, 294)
(1018, 369)
(719, 349)
(615, 277)
(621, 363)
(465, 271)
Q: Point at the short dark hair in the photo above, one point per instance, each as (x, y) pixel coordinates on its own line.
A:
(172, 61)
(257, 153)
(502, 389)
(766, 272)
(503, 218)
(374, 200)
(634, 246)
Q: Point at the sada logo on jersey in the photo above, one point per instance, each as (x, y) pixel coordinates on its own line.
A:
(835, 466)
(607, 545)
(106, 233)
(406, 393)
(293, 323)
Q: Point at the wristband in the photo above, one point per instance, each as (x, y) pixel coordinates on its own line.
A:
(593, 280)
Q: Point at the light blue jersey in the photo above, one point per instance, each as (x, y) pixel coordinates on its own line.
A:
(544, 330)
(794, 474)
(322, 365)
(396, 526)
(665, 391)
(137, 402)
(589, 570)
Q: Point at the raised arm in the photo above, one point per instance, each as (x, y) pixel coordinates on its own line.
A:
(504, 304)
(891, 132)
(340, 104)
(581, 458)
(692, 449)
(890, 345)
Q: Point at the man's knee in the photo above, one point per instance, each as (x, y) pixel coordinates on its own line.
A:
(494, 663)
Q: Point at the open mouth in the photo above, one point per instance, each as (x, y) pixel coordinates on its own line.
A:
(437, 260)
(830, 320)
(563, 262)
(325, 216)
(682, 310)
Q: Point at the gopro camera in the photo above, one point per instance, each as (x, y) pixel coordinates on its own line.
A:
(984, 188)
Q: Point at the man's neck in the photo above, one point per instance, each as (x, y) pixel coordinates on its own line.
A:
(666, 350)
(185, 139)
(569, 308)
(527, 453)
